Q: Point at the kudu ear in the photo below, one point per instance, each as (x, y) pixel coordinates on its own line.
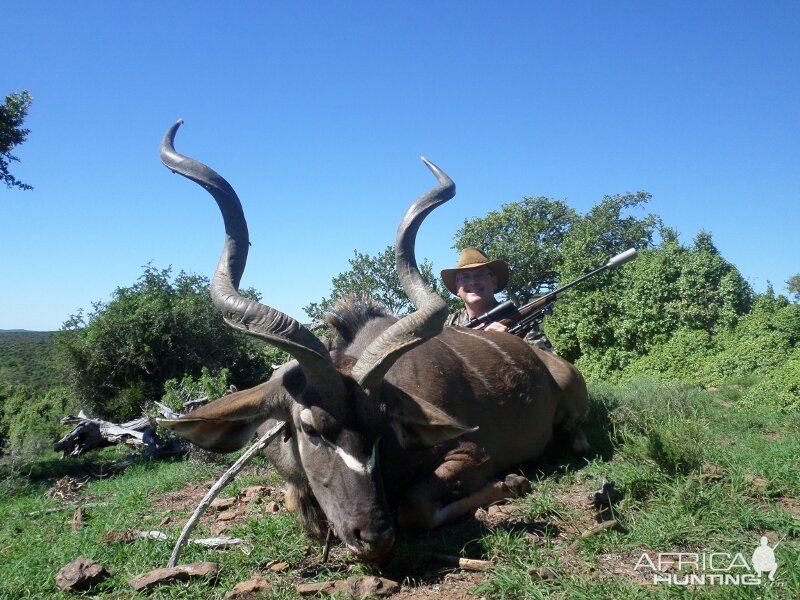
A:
(419, 424)
(228, 424)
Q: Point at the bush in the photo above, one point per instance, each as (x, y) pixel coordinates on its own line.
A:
(780, 389)
(209, 387)
(118, 357)
(675, 361)
(30, 419)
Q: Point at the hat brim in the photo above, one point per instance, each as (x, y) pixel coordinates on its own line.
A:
(498, 267)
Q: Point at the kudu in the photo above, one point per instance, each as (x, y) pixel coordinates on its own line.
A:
(400, 421)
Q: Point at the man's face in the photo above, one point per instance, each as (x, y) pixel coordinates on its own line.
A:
(476, 286)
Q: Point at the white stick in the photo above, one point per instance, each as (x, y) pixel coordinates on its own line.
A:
(217, 488)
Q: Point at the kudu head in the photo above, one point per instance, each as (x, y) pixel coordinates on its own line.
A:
(334, 407)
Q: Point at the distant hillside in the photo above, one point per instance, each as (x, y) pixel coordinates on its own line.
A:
(26, 357)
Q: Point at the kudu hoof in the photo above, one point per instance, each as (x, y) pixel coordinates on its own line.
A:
(517, 485)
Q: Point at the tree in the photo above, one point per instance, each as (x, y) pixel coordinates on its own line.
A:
(793, 286)
(12, 115)
(626, 313)
(373, 277)
(546, 243)
(118, 357)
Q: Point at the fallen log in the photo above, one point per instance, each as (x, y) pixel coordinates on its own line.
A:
(90, 434)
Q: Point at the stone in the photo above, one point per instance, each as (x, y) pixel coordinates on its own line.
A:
(248, 589)
(279, 567)
(80, 575)
(170, 575)
(321, 587)
(370, 586)
(223, 503)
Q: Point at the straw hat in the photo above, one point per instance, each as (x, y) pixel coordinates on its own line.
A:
(471, 258)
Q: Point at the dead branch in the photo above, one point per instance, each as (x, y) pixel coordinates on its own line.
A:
(594, 530)
(226, 478)
(89, 434)
(468, 564)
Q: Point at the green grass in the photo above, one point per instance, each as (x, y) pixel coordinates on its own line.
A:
(697, 472)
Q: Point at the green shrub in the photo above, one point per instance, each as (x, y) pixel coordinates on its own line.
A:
(675, 361)
(118, 357)
(30, 418)
(780, 389)
(178, 392)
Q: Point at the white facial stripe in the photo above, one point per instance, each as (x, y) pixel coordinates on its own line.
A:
(354, 464)
(350, 461)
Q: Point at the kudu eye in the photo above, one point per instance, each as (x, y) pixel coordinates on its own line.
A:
(307, 424)
(309, 430)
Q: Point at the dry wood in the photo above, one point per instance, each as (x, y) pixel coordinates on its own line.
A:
(89, 434)
(226, 478)
(594, 530)
(468, 564)
(77, 518)
(326, 552)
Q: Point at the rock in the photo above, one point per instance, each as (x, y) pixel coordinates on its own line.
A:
(179, 573)
(541, 573)
(228, 515)
(321, 587)
(371, 586)
(253, 491)
(272, 507)
(278, 567)
(248, 589)
(359, 587)
(223, 503)
(80, 575)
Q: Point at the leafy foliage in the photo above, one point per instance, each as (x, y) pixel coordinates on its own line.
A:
(27, 357)
(12, 116)
(793, 286)
(374, 277)
(762, 343)
(177, 392)
(627, 313)
(30, 418)
(119, 356)
(780, 388)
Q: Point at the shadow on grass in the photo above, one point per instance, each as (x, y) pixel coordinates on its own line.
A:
(46, 470)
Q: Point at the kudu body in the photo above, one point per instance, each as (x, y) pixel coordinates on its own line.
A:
(400, 420)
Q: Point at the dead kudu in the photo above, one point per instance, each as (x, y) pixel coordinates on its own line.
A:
(401, 423)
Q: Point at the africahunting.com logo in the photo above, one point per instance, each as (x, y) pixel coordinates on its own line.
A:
(712, 568)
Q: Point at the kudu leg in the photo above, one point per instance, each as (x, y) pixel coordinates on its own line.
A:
(456, 489)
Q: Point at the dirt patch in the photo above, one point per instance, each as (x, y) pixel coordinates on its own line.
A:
(224, 513)
(453, 586)
(790, 505)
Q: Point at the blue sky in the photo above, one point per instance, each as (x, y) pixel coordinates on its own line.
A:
(317, 113)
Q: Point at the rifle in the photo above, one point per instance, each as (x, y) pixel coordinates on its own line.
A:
(523, 319)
